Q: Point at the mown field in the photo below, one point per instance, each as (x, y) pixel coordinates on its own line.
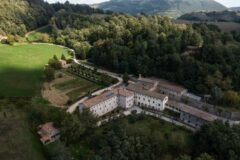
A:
(21, 67)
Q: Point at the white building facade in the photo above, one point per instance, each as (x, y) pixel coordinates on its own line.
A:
(125, 98)
(105, 107)
(109, 101)
(148, 99)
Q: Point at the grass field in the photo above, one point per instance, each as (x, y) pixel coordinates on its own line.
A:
(77, 87)
(21, 67)
(35, 35)
(17, 141)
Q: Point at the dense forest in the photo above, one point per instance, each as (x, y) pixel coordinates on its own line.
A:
(155, 46)
(19, 16)
(224, 16)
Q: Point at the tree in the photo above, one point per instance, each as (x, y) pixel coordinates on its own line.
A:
(205, 156)
(49, 73)
(10, 40)
(63, 57)
(56, 64)
(231, 98)
(55, 57)
(218, 139)
(184, 157)
(44, 38)
(72, 129)
(125, 78)
(217, 94)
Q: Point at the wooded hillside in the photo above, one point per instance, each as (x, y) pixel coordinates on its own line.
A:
(155, 46)
(19, 16)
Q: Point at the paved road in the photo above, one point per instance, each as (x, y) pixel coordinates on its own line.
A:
(74, 106)
(157, 115)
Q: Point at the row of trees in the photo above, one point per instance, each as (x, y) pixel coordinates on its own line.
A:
(92, 75)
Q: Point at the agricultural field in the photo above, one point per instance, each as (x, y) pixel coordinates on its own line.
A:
(21, 67)
(77, 87)
(67, 88)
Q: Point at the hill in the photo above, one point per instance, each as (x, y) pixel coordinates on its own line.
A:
(234, 9)
(19, 16)
(224, 16)
(172, 8)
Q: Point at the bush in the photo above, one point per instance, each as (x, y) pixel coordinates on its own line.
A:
(49, 73)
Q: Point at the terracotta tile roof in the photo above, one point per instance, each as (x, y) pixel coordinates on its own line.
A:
(44, 139)
(193, 111)
(98, 99)
(48, 128)
(123, 92)
(170, 86)
(135, 88)
(197, 113)
(172, 103)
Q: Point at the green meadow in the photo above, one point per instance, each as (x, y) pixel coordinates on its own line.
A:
(34, 36)
(21, 68)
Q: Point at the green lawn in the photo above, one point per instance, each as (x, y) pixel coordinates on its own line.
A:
(35, 35)
(21, 67)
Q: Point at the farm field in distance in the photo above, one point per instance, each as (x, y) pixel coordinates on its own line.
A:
(21, 67)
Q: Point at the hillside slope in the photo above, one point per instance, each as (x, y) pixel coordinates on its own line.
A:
(224, 16)
(19, 16)
(234, 9)
(172, 8)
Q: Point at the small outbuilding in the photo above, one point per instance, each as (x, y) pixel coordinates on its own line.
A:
(48, 133)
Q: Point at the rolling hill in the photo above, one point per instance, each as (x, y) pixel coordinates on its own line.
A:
(172, 8)
(234, 9)
(224, 16)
